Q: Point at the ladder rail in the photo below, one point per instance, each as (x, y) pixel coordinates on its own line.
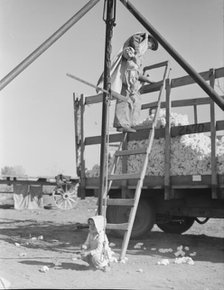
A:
(144, 168)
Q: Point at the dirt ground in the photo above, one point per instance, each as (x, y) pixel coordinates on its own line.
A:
(31, 239)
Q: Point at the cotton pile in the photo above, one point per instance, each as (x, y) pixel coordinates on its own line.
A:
(189, 154)
(175, 119)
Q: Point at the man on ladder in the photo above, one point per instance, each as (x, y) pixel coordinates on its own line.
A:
(126, 79)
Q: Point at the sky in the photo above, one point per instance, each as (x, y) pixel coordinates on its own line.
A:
(36, 108)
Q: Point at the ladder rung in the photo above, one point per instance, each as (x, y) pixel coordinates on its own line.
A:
(131, 152)
(121, 201)
(124, 176)
(122, 227)
(144, 127)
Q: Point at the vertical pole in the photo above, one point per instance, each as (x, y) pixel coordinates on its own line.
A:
(213, 139)
(79, 141)
(195, 114)
(110, 9)
(76, 105)
(167, 190)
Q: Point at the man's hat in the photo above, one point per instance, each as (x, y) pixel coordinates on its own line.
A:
(154, 42)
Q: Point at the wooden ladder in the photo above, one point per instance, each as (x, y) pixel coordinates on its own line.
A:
(132, 202)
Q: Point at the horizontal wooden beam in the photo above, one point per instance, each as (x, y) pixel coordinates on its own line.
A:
(159, 133)
(157, 182)
(180, 103)
(124, 176)
(10, 180)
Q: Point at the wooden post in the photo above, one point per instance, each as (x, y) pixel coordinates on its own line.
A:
(167, 189)
(78, 102)
(195, 114)
(213, 139)
(110, 18)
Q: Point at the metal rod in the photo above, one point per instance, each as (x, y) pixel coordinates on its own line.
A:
(113, 93)
(46, 44)
(107, 66)
(197, 78)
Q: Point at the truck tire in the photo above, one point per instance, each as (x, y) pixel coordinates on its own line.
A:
(144, 220)
(177, 225)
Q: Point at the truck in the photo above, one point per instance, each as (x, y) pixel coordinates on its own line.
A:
(172, 202)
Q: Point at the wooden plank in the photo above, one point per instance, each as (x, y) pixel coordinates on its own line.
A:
(122, 227)
(142, 134)
(180, 103)
(195, 128)
(187, 80)
(120, 201)
(167, 191)
(124, 176)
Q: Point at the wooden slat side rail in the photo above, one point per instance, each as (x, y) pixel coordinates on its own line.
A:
(153, 181)
(122, 227)
(159, 133)
(124, 176)
(180, 103)
(186, 80)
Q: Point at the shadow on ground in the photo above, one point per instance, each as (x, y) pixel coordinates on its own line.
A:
(58, 237)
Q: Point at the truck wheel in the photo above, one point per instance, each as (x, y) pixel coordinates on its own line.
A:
(144, 220)
(177, 225)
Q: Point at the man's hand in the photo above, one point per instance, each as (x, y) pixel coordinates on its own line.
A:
(84, 247)
(85, 253)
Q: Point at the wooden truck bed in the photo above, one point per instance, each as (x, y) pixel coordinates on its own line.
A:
(167, 182)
